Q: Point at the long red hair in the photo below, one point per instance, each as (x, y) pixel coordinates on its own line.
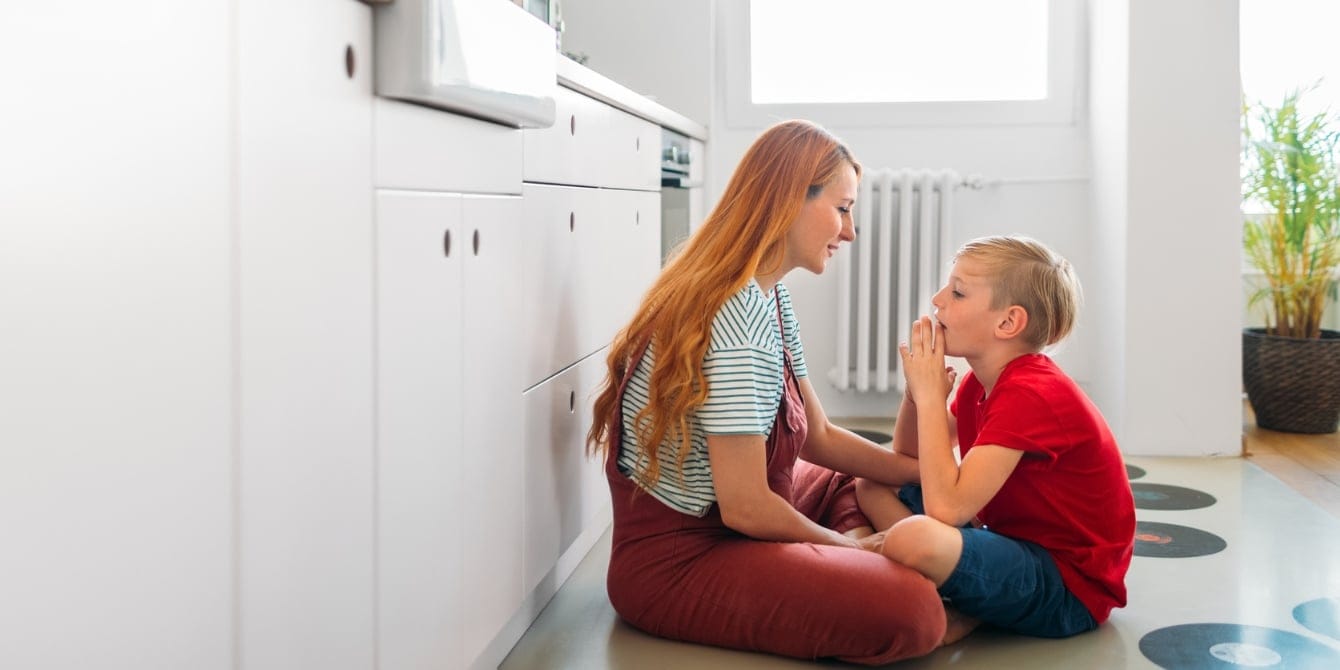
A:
(745, 235)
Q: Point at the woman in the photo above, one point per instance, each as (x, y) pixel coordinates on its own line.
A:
(720, 536)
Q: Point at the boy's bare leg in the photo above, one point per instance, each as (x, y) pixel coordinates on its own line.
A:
(880, 504)
(957, 626)
(860, 532)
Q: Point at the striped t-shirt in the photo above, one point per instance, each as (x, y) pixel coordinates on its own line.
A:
(743, 369)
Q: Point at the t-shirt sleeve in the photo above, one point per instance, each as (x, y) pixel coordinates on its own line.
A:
(792, 339)
(741, 382)
(1020, 419)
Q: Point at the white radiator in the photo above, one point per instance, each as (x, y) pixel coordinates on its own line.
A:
(898, 261)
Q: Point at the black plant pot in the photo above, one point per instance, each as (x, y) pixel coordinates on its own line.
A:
(1293, 384)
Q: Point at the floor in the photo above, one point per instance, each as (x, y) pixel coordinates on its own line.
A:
(1262, 588)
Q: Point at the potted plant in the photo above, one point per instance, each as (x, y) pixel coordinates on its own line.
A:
(1291, 367)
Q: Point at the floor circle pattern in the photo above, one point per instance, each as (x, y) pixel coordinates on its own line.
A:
(1215, 646)
(1134, 472)
(873, 435)
(1167, 540)
(1166, 497)
(1321, 616)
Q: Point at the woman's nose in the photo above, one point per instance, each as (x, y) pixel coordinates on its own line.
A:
(848, 233)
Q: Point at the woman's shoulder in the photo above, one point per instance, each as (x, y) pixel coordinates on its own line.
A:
(739, 323)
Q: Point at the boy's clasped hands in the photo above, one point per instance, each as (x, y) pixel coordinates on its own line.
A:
(928, 378)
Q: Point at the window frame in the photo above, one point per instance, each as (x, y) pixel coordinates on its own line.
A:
(1058, 109)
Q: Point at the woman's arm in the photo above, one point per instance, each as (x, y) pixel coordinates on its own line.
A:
(839, 449)
(748, 506)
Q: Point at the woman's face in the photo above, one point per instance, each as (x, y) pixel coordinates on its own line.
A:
(824, 222)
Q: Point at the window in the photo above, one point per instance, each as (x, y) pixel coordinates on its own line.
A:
(1287, 45)
(900, 62)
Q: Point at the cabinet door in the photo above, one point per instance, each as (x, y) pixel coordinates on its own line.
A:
(633, 148)
(565, 490)
(627, 246)
(117, 349)
(564, 226)
(305, 310)
(491, 464)
(421, 246)
(570, 151)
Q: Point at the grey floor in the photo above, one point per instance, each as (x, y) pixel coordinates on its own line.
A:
(1282, 551)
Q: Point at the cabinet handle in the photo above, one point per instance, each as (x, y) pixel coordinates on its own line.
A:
(572, 125)
(572, 222)
(637, 144)
(637, 218)
(572, 401)
(446, 243)
(476, 241)
(349, 60)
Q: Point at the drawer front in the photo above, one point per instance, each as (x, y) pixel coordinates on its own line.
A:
(592, 144)
(425, 149)
(589, 255)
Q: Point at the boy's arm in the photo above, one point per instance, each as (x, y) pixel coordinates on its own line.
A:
(953, 493)
(905, 428)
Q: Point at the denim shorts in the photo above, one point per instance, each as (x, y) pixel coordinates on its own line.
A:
(1011, 584)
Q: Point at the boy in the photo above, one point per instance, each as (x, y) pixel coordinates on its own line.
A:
(1033, 530)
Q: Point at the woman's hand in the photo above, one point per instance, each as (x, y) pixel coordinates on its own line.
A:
(929, 380)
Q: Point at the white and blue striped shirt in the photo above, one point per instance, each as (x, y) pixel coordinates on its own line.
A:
(743, 369)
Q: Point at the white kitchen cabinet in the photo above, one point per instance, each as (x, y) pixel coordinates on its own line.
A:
(593, 144)
(304, 335)
(590, 255)
(449, 438)
(493, 458)
(117, 442)
(565, 490)
(420, 411)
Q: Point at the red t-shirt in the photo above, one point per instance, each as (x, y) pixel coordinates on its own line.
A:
(1069, 494)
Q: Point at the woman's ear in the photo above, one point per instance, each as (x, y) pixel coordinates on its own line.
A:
(1012, 323)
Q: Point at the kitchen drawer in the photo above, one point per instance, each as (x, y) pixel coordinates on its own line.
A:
(419, 148)
(589, 255)
(565, 490)
(593, 144)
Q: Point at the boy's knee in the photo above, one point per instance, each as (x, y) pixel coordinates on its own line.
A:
(914, 542)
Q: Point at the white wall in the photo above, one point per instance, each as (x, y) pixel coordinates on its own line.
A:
(1153, 231)
(661, 49)
(1183, 268)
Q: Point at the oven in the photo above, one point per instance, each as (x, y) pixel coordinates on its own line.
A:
(681, 191)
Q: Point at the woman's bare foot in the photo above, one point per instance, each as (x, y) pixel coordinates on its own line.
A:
(957, 626)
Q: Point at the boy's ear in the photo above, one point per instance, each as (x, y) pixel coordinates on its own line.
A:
(1012, 323)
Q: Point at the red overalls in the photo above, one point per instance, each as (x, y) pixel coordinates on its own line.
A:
(693, 579)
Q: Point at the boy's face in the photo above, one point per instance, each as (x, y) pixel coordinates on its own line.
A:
(963, 308)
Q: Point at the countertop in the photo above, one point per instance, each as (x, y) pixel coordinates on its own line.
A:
(582, 79)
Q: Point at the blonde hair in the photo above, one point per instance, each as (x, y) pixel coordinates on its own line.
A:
(745, 235)
(1027, 273)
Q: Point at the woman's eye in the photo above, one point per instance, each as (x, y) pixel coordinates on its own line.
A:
(845, 210)
(957, 294)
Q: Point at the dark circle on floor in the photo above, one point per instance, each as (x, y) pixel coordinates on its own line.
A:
(1321, 616)
(873, 435)
(1134, 472)
(1164, 496)
(1167, 540)
(1211, 646)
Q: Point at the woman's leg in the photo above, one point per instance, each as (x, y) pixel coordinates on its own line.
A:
(799, 600)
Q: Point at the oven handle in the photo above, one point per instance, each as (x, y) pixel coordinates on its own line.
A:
(677, 181)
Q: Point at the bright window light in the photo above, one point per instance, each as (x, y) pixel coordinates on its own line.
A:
(1287, 45)
(860, 51)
